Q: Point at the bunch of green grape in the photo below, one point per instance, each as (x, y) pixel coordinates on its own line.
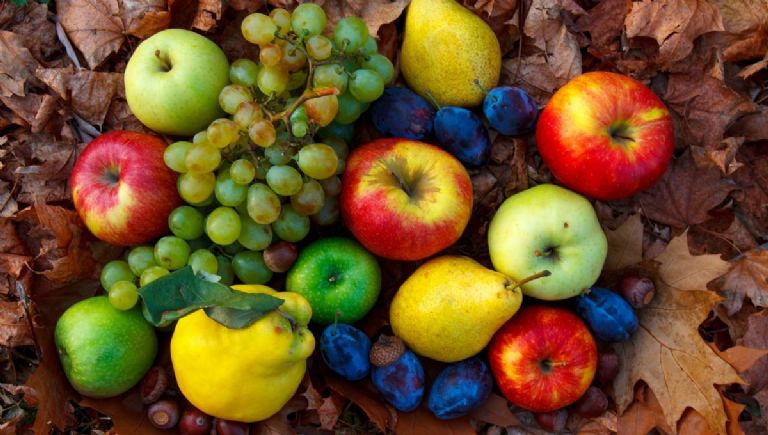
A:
(271, 168)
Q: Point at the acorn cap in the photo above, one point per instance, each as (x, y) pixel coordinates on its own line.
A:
(386, 350)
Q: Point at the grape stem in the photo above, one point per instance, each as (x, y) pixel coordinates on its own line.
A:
(308, 94)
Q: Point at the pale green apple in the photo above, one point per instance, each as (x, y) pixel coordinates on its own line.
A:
(173, 80)
(549, 228)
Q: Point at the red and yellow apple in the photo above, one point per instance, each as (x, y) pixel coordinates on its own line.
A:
(404, 199)
(543, 358)
(122, 189)
(606, 135)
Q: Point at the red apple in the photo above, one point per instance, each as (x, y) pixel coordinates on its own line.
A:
(543, 358)
(606, 135)
(122, 189)
(404, 199)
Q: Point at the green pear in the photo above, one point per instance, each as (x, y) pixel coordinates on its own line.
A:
(451, 306)
(447, 51)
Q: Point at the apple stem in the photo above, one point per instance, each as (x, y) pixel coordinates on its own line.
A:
(163, 61)
(542, 274)
(550, 364)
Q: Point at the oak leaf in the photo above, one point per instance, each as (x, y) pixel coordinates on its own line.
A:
(93, 26)
(674, 24)
(625, 245)
(667, 352)
(747, 278)
(685, 194)
(605, 21)
(90, 93)
(746, 22)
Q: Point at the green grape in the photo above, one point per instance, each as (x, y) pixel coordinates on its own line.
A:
(186, 222)
(263, 204)
(272, 80)
(339, 145)
(322, 110)
(370, 46)
(202, 158)
(381, 64)
(291, 226)
(331, 75)
(244, 72)
(297, 79)
(196, 188)
(366, 85)
(254, 236)
(318, 47)
(247, 113)
(200, 137)
(199, 243)
(270, 55)
(284, 180)
(232, 95)
(300, 128)
(349, 109)
(350, 33)
(175, 154)
(232, 248)
(258, 29)
(282, 19)
(203, 260)
(171, 252)
(262, 133)
(223, 225)
(123, 295)
(293, 58)
(344, 131)
(210, 200)
(223, 132)
(224, 270)
(242, 171)
(317, 160)
(309, 199)
(331, 185)
(114, 271)
(228, 192)
(250, 268)
(151, 274)
(278, 155)
(262, 166)
(308, 19)
(329, 212)
(140, 258)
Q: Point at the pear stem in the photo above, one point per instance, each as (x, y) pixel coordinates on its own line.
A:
(480, 86)
(542, 274)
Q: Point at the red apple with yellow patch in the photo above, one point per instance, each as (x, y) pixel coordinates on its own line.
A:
(122, 189)
(404, 199)
(543, 358)
(606, 135)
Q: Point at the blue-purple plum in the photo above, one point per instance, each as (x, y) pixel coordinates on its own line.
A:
(460, 388)
(609, 316)
(401, 112)
(462, 133)
(401, 383)
(510, 111)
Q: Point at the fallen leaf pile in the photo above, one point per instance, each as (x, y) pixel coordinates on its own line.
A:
(698, 363)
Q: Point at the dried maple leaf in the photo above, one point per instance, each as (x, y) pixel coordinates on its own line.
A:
(144, 18)
(746, 22)
(17, 65)
(94, 26)
(643, 415)
(723, 157)
(625, 245)
(605, 22)
(706, 107)
(685, 194)
(747, 278)
(667, 351)
(90, 93)
(674, 24)
(375, 13)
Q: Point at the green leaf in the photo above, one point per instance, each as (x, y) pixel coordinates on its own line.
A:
(181, 292)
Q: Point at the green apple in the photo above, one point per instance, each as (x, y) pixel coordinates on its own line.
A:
(549, 228)
(173, 80)
(336, 275)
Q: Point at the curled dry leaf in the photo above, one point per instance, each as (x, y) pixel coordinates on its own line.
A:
(756, 337)
(667, 352)
(89, 93)
(752, 196)
(94, 26)
(753, 127)
(375, 13)
(723, 156)
(674, 24)
(644, 415)
(17, 65)
(15, 326)
(127, 411)
(144, 18)
(493, 8)
(685, 194)
(380, 413)
(605, 22)
(208, 14)
(747, 278)
(495, 410)
(745, 22)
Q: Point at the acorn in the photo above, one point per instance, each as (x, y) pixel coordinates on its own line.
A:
(592, 404)
(164, 414)
(386, 350)
(154, 384)
(553, 421)
(637, 290)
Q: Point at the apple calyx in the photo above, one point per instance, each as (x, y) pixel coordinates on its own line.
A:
(111, 176)
(544, 273)
(620, 134)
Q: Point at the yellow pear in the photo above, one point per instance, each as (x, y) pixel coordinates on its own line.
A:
(451, 306)
(446, 48)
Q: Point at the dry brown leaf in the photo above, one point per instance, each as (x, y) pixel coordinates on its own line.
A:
(685, 194)
(89, 93)
(756, 337)
(127, 411)
(723, 157)
(747, 278)
(643, 415)
(667, 351)
(375, 13)
(330, 411)
(33, 24)
(495, 410)
(421, 421)
(17, 65)
(625, 245)
(93, 26)
(208, 14)
(706, 107)
(740, 357)
(753, 194)
(8, 205)
(493, 8)
(144, 18)
(15, 326)
(747, 23)
(753, 127)
(381, 414)
(674, 24)
(605, 22)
